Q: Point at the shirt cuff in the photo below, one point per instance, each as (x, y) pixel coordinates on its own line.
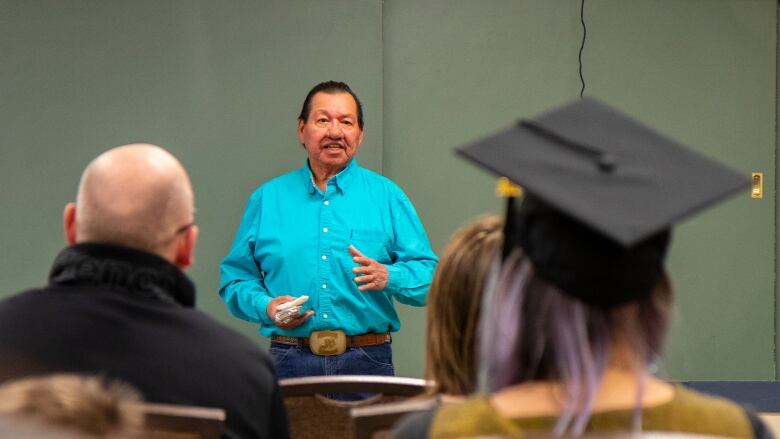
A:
(261, 304)
(396, 279)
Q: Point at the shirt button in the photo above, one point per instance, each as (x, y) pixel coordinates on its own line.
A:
(324, 316)
(324, 286)
(327, 203)
(325, 229)
(324, 258)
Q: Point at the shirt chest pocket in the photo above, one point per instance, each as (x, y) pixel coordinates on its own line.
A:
(372, 243)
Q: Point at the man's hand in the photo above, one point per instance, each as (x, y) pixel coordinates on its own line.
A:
(271, 311)
(373, 274)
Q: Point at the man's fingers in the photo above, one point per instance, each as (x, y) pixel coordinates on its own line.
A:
(362, 260)
(364, 279)
(363, 270)
(372, 274)
(371, 286)
(270, 310)
(355, 252)
(304, 317)
(298, 320)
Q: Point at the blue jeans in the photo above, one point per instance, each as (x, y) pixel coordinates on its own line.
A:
(298, 361)
(294, 361)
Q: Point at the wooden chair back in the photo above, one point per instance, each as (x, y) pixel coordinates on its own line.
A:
(312, 414)
(168, 421)
(377, 421)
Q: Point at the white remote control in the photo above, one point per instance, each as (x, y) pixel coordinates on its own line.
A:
(297, 302)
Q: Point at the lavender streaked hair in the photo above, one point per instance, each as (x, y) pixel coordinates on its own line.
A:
(560, 338)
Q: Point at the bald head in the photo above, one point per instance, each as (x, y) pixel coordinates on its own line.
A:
(134, 195)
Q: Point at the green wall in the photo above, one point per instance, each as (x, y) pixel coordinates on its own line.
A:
(220, 87)
(220, 84)
(701, 71)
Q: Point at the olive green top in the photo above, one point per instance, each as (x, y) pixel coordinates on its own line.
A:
(687, 412)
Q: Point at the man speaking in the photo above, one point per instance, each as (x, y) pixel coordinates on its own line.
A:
(322, 251)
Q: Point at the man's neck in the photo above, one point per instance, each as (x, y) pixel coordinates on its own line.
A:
(321, 174)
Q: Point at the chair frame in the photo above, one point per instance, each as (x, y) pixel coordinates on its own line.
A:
(207, 422)
(388, 385)
(366, 421)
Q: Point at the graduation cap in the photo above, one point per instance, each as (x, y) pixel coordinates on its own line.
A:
(602, 191)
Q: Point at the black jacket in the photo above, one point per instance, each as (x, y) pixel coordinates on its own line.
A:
(128, 314)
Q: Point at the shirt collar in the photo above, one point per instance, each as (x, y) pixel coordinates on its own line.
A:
(342, 180)
(124, 270)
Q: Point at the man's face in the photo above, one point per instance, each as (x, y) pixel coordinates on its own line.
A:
(331, 135)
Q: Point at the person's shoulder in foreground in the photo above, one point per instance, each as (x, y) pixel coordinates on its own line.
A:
(688, 412)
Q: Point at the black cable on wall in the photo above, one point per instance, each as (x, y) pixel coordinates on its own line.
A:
(582, 46)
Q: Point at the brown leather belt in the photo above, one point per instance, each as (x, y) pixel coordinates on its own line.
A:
(353, 341)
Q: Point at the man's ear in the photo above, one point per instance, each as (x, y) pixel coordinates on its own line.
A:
(69, 223)
(185, 250)
(300, 132)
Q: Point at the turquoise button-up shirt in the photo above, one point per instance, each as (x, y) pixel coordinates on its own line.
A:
(293, 240)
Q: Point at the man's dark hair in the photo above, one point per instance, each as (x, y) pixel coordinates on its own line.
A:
(330, 87)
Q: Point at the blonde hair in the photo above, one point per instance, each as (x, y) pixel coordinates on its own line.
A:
(454, 303)
(91, 406)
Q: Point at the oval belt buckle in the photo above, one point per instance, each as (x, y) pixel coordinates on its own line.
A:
(328, 343)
